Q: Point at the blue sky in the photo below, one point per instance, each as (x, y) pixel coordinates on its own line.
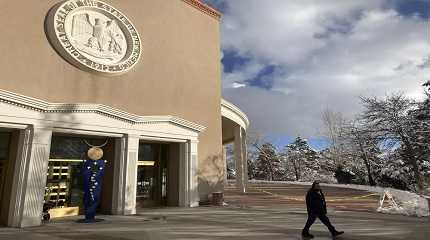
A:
(285, 62)
(282, 140)
(420, 8)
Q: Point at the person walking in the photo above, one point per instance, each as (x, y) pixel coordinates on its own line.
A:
(316, 206)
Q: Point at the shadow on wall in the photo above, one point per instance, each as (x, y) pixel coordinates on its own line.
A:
(211, 176)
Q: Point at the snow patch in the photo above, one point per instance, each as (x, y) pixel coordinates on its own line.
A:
(405, 203)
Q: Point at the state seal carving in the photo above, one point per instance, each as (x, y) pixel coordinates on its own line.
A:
(93, 36)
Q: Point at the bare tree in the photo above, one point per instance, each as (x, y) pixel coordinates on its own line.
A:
(363, 145)
(334, 123)
(392, 123)
(254, 141)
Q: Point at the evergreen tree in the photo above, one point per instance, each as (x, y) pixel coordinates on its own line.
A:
(252, 171)
(268, 165)
(395, 172)
(301, 160)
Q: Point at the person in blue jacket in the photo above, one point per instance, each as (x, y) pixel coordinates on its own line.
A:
(316, 206)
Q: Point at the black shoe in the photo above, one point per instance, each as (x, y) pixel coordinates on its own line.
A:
(336, 233)
(307, 235)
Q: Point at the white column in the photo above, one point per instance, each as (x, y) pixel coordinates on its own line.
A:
(240, 159)
(131, 152)
(245, 160)
(188, 175)
(119, 174)
(224, 157)
(30, 177)
(183, 175)
(193, 174)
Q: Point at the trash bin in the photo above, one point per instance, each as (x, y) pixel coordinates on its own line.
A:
(217, 198)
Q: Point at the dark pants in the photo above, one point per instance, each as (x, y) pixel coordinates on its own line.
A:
(324, 219)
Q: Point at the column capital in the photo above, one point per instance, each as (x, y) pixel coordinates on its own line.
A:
(132, 142)
(132, 136)
(41, 134)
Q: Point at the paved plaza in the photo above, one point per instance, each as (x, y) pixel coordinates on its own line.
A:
(292, 195)
(207, 223)
(264, 213)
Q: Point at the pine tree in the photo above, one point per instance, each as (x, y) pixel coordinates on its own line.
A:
(301, 160)
(268, 165)
(395, 172)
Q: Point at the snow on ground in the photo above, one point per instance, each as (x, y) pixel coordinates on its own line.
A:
(408, 203)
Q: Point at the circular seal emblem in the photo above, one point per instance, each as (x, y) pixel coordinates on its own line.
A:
(93, 36)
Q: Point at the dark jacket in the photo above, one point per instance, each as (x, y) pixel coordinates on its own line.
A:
(315, 203)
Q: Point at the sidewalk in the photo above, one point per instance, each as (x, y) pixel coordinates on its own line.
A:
(207, 223)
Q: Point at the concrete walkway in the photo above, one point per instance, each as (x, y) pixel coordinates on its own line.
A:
(231, 223)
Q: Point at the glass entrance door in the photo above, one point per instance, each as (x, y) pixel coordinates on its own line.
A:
(146, 184)
(64, 184)
(151, 175)
(4, 162)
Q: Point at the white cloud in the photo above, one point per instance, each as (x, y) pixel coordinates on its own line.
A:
(242, 74)
(238, 85)
(326, 53)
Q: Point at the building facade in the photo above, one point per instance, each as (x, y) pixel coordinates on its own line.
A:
(139, 78)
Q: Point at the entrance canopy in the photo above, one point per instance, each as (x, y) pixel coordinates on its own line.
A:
(232, 117)
(36, 121)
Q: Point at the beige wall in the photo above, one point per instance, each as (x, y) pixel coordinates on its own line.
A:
(178, 74)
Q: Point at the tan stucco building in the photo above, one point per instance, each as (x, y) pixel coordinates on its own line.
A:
(162, 124)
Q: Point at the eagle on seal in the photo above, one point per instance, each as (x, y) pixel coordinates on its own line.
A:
(95, 34)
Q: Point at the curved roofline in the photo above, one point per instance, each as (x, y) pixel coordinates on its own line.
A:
(232, 108)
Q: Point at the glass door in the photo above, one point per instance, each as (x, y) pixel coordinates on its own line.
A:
(146, 185)
(64, 184)
(151, 175)
(4, 157)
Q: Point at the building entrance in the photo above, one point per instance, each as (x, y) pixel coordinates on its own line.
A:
(152, 175)
(4, 163)
(64, 185)
(8, 148)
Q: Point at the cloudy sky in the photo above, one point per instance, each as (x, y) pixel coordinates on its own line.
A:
(285, 61)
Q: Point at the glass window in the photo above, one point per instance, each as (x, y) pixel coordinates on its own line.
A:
(146, 152)
(71, 147)
(4, 156)
(64, 187)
